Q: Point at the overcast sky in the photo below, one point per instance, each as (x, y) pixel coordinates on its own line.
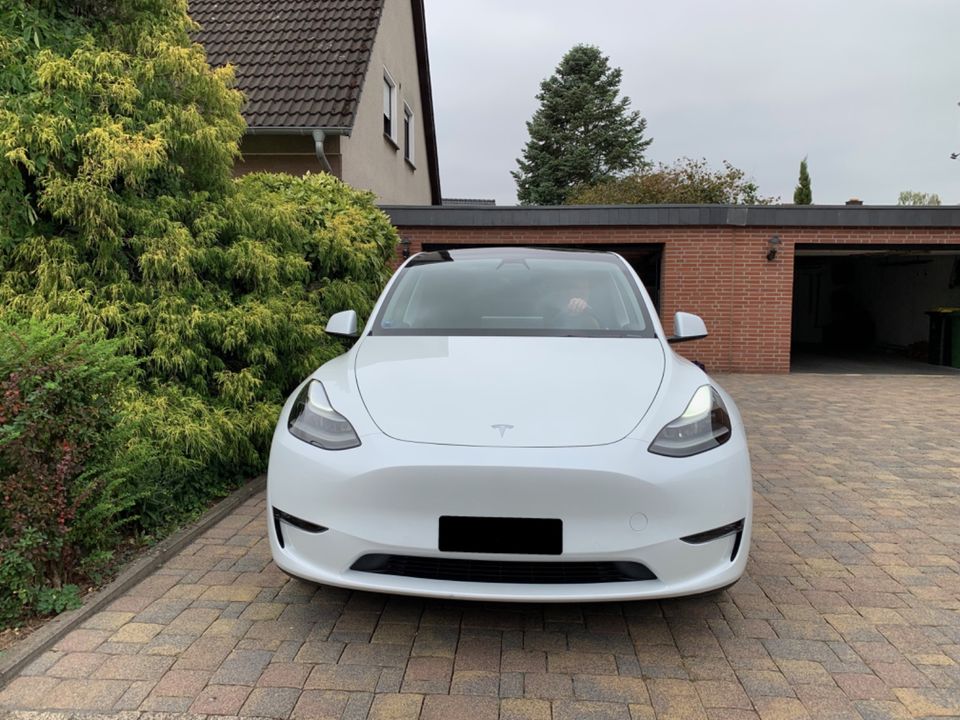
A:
(866, 89)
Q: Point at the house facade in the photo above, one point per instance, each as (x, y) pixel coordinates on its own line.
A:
(776, 285)
(339, 86)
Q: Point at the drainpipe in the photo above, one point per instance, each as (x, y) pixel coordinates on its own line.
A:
(319, 135)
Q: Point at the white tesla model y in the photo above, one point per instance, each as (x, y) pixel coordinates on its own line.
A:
(512, 424)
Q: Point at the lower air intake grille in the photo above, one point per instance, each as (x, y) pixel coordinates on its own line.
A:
(503, 571)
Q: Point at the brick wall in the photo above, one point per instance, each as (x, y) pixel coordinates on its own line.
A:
(719, 273)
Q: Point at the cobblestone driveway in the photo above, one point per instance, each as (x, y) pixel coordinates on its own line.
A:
(849, 609)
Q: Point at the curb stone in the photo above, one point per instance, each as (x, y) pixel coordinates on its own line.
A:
(21, 654)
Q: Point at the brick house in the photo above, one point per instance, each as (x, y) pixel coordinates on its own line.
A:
(339, 86)
(771, 282)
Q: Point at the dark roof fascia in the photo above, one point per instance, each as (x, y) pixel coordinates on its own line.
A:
(892, 216)
(426, 98)
(281, 130)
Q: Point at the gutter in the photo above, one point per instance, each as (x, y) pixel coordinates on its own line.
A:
(319, 135)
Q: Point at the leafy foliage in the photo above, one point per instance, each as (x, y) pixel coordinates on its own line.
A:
(117, 142)
(60, 393)
(803, 195)
(581, 134)
(911, 197)
(686, 181)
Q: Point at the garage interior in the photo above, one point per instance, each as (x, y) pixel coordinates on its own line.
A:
(865, 309)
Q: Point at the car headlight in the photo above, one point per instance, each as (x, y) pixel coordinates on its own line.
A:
(313, 420)
(704, 425)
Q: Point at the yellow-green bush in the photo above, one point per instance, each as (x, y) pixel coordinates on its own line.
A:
(117, 142)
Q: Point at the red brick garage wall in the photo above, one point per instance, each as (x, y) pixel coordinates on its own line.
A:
(719, 273)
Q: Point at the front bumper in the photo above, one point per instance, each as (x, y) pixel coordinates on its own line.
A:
(618, 503)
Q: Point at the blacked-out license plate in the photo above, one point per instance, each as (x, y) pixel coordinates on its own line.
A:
(518, 536)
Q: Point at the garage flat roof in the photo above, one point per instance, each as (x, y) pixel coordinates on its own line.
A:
(947, 216)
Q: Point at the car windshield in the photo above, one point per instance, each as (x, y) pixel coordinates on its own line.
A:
(542, 293)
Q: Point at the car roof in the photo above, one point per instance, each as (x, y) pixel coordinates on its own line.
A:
(509, 252)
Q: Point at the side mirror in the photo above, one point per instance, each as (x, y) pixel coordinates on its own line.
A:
(343, 324)
(687, 326)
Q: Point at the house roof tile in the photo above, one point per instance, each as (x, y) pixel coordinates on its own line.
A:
(301, 63)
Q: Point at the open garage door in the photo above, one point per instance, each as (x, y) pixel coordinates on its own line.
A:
(645, 259)
(864, 309)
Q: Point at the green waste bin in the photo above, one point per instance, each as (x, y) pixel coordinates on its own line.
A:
(954, 319)
(944, 336)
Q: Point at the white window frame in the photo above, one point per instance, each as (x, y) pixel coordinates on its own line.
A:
(410, 135)
(392, 102)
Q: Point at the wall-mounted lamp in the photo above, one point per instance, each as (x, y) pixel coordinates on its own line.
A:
(405, 247)
(774, 243)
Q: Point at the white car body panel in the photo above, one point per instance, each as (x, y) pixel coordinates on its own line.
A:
(550, 391)
(423, 407)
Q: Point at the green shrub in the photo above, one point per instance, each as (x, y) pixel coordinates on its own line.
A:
(70, 476)
(117, 142)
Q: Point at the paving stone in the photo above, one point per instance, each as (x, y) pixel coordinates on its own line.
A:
(82, 640)
(930, 702)
(675, 700)
(475, 682)
(520, 660)
(270, 702)
(585, 710)
(862, 686)
(524, 709)
(205, 654)
(77, 665)
(191, 621)
(722, 694)
(220, 700)
(780, 708)
(610, 688)
(582, 662)
(135, 632)
(320, 652)
(824, 701)
(343, 677)
(882, 710)
(765, 683)
(427, 675)
(134, 695)
(138, 667)
(284, 674)
(182, 683)
(547, 686)
(230, 593)
(435, 641)
(23, 692)
(443, 707)
(42, 663)
(241, 667)
(164, 644)
(83, 694)
(108, 620)
(396, 707)
(378, 654)
(320, 705)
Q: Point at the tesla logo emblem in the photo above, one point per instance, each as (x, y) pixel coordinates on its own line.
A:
(502, 428)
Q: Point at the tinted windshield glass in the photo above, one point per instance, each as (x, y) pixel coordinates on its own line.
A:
(514, 294)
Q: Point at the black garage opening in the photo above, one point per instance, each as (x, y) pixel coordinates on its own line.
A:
(645, 259)
(865, 308)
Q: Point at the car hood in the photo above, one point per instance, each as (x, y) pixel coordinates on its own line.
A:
(508, 391)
